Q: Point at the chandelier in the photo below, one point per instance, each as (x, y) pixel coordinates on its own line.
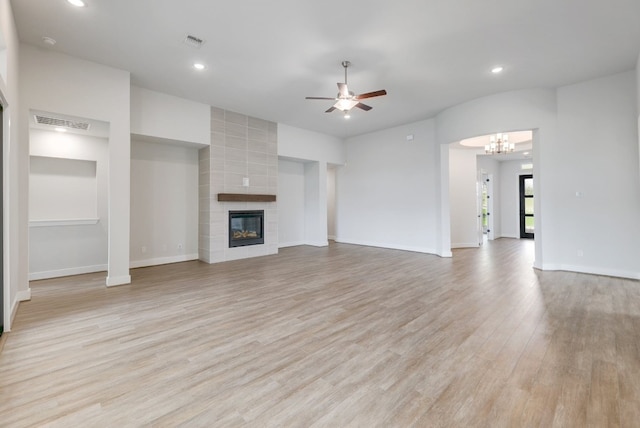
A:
(499, 143)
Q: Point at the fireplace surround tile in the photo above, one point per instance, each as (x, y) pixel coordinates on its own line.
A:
(241, 146)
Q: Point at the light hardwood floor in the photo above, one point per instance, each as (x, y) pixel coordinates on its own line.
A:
(329, 337)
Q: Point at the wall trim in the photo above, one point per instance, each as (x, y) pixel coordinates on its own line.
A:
(69, 222)
(390, 246)
(21, 296)
(163, 260)
(591, 270)
(290, 244)
(317, 243)
(35, 276)
(113, 281)
(465, 245)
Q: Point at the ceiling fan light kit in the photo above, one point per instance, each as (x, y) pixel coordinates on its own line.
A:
(345, 100)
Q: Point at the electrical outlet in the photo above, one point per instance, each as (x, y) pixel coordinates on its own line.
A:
(179, 246)
(580, 253)
(143, 249)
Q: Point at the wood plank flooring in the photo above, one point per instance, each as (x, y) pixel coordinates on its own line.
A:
(329, 337)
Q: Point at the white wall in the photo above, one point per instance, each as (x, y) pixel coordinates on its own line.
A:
(164, 203)
(595, 198)
(15, 174)
(59, 83)
(68, 247)
(638, 103)
(463, 197)
(386, 192)
(306, 145)
(315, 204)
(291, 210)
(166, 117)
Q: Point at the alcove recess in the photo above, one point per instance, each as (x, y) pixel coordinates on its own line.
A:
(243, 197)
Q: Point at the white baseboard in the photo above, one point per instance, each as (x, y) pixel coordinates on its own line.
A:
(34, 276)
(163, 260)
(290, 244)
(591, 270)
(317, 243)
(113, 281)
(21, 296)
(465, 245)
(389, 246)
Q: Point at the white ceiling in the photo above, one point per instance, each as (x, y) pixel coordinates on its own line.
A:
(263, 57)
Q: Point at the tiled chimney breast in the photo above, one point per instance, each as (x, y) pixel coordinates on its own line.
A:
(241, 147)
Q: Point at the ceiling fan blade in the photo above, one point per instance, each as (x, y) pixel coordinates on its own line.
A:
(343, 90)
(330, 109)
(363, 106)
(319, 98)
(371, 94)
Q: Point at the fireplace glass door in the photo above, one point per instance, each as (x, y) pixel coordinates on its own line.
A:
(245, 228)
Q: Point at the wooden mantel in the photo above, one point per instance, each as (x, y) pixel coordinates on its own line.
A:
(243, 197)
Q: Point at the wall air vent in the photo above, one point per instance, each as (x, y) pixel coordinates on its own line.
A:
(62, 123)
(193, 41)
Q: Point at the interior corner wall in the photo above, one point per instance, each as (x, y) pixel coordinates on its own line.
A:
(595, 197)
(307, 153)
(463, 197)
(291, 207)
(386, 192)
(15, 179)
(164, 203)
(58, 83)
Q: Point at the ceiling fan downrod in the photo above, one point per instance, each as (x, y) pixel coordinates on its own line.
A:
(346, 65)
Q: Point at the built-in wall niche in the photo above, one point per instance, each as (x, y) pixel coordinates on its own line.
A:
(62, 190)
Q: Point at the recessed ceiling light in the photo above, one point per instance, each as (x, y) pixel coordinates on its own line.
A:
(346, 114)
(77, 3)
(496, 70)
(60, 129)
(525, 153)
(199, 66)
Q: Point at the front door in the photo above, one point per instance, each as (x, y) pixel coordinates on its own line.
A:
(526, 207)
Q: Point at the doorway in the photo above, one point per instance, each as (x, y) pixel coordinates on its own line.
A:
(527, 220)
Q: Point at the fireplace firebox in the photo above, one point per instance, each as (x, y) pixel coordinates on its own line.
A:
(246, 228)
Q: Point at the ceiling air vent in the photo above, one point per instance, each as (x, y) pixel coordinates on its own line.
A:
(193, 41)
(63, 123)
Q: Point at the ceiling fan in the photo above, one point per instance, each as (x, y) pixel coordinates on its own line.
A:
(346, 99)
